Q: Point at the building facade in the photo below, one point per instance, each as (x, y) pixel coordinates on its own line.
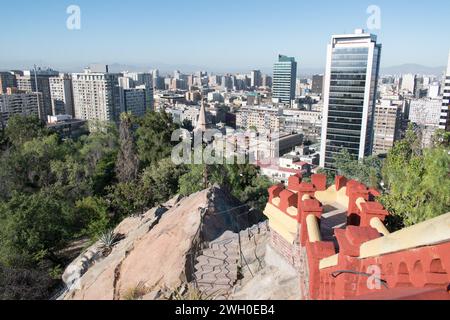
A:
(425, 111)
(97, 96)
(135, 101)
(62, 95)
(7, 80)
(38, 81)
(388, 120)
(284, 77)
(317, 84)
(261, 118)
(306, 122)
(444, 122)
(353, 63)
(20, 103)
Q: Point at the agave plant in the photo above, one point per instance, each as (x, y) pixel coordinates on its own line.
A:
(107, 240)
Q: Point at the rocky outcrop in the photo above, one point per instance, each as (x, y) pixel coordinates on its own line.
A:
(157, 249)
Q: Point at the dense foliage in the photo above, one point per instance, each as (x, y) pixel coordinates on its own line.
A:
(415, 181)
(54, 192)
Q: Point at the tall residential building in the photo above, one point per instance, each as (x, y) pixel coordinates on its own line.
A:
(388, 120)
(96, 96)
(38, 81)
(20, 103)
(61, 94)
(284, 76)
(266, 81)
(353, 63)
(7, 80)
(317, 84)
(135, 101)
(445, 112)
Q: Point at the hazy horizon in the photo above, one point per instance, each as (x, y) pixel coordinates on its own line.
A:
(214, 35)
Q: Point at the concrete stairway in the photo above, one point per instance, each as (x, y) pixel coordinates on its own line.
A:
(216, 270)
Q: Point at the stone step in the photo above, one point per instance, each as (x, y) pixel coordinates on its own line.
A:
(215, 281)
(206, 268)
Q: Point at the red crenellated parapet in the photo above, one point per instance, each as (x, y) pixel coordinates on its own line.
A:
(315, 252)
(371, 210)
(351, 238)
(274, 191)
(303, 189)
(319, 181)
(294, 182)
(405, 275)
(310, 206)
(287, 199)
(355, 192)
(340, 182)
(413, 263)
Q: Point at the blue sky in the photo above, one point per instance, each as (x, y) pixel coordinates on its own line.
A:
(215, 34)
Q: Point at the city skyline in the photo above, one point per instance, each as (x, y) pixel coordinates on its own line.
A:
(204, 35)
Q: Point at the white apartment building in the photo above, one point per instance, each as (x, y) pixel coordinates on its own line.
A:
(61, 94)
(97, 96)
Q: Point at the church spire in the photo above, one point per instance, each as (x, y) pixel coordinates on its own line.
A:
(201, 123)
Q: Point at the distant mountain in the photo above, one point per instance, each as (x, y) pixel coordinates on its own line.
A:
(412, 68)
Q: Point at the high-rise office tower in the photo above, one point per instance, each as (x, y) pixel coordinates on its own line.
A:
(61, 94)
(284, 76)
(445, 112)
(353, 63)
(317, 84)
(96, 96)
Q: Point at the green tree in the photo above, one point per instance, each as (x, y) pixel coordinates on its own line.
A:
(417, 182)
(33, 224)
(161, 179)
(21, 129)
(331, 175)
(187, 124)
(127, 199)
(91, 216)
(366, 170)
(154, 137)
(127, 166)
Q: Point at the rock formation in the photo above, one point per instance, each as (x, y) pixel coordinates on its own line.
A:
(208, 239)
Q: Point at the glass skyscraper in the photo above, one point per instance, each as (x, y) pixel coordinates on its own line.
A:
(353, 63)
(284, 77)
